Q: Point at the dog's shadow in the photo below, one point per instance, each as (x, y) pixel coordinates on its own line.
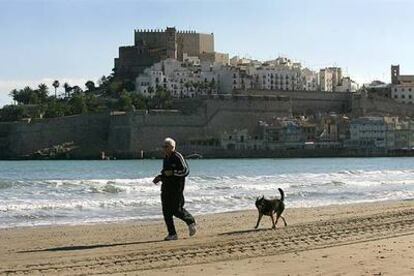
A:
(241, 232)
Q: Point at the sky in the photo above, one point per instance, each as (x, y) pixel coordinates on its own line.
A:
(77, 40)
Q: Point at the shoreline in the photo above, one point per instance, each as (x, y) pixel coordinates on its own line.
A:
(225, 154)
(225, 244)
(158, 219)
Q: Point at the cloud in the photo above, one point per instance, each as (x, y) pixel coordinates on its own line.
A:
(7, 85)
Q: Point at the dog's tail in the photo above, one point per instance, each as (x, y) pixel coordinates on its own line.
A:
(282, 194)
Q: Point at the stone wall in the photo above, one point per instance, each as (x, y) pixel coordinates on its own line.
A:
(307, 102)
(133, 132)
(379, 106)
(88, 132)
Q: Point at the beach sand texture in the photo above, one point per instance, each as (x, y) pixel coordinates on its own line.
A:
(359, 239)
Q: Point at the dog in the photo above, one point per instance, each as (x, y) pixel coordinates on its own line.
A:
(269, 207)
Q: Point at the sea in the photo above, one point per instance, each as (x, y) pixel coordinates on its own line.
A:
(36, 193)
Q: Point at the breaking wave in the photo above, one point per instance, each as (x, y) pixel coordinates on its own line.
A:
(74, 201)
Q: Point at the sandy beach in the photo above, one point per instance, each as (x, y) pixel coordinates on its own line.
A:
(358, 239)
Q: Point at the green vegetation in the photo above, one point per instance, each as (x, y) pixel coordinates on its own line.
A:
(110, 95)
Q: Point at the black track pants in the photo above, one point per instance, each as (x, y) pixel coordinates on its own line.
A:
(173, 205)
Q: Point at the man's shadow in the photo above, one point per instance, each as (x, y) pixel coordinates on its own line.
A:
(85, 247)
(94, 246)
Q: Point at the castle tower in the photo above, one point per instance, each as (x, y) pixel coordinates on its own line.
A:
(395, 73)
(171, 46)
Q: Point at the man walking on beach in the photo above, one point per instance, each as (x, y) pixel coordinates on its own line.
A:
(172, 176)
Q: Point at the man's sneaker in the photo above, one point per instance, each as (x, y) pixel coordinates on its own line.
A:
(171, 238)
(192, 229)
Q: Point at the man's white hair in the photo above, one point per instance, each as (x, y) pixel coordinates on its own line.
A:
(170, 141)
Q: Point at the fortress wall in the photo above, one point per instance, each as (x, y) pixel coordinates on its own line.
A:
(5, 133)
(297, 94)
(243, 112)
(260, 104)
(130, 133)
(88, 132)
(363, 106)
(309, 106)
(133, 132)
(304, 102)
(174, 118)
(155, 39)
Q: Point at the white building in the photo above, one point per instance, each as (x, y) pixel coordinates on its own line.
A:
(182, 79)
(330, 78)
(283, 74)
(402, 86)
(373, 132)
(347, 85)
(311, 80)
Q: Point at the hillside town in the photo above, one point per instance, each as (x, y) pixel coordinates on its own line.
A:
(179, 73)
(187, 72)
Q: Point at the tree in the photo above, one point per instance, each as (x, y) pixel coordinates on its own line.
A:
(68, 89)
(55, 109)
(56, 84)
(129, 86)
(125, 102)
(150, 90)
(116, 88)
(78, 104)
(92, 104)
(139, 101)
(90, 85)
(15, 95)
(23, 96)
(10, 113)
(161, 99)
(77, 90)
(42, 92)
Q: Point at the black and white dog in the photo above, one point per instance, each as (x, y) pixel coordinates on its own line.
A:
(269, 207)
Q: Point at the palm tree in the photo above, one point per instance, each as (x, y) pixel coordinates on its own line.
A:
(67, 88)
(90, 85)
(56, 84)
(77, 90)
(42, 92)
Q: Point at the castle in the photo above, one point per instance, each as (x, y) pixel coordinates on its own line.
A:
(152, 46)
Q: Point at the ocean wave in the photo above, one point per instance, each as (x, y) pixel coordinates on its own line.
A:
(81, 200)
(5, 184)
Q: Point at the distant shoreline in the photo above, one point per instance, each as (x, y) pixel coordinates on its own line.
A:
(239, 155)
